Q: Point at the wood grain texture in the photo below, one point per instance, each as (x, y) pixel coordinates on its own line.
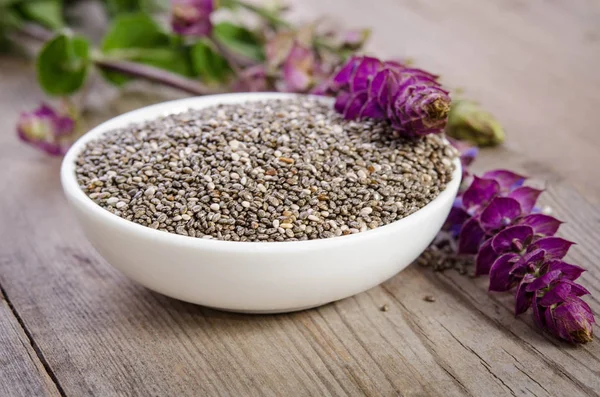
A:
(531, 62)
(21, 371)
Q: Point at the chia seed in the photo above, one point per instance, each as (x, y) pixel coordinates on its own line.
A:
(277, 170)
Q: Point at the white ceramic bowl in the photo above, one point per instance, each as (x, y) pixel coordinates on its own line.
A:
(249, 276)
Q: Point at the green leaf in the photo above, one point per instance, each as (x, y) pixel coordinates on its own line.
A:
(116, 7)
(138, 38)
(134, 31)
(208, 63)
(62, 64)
(6, 3)
(45, 12)
(9, 18)
(173, 59)
(240, 40)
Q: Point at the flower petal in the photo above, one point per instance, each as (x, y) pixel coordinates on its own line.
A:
(341, 101)
(543, 225)
(371, 109)
(479, 194)
(577, 289)
(500, 277)
(543, 281)
(355, 104)
(522, 297)
(343, 77)
(555, 247)
(558, 293)
(513, 238)
(378, 86)
(364, 72)
(468, 152)
(526, 196)
(470, 237)
(192, 17)
(297, 69)
(568, 271)
(538, 313)
(485, 258)
(549, 323)
(456, 219)
(500, 212)
(507, 180)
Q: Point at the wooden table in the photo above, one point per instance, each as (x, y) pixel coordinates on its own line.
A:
(72, 325)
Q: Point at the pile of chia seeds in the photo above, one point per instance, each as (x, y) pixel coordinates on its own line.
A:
(278, 170)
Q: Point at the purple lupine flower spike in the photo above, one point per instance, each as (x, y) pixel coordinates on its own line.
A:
(411, 99)
(48, 129)
(192, 17)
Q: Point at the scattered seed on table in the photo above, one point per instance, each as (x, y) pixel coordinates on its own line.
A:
(278, 170)
(429, 298)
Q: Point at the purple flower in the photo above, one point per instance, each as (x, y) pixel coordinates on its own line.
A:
(47, 129)
(495, 218)
(292, 63)
(278, 48)
(192, 17)
(507, 180)
(491, 203)
(411, 99)
(499, 213)
(252, 79)
(542, 224)
(558, 307)
(525, 249)
(555, 283)
(298, 69)
(571, 320)
(354, 39)
(467, 153)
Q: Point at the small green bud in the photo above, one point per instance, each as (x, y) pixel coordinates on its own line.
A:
(468, 121)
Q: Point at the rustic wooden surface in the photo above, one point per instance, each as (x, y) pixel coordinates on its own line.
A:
(72, 325)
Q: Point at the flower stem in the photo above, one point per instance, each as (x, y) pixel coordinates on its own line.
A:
(153, 74)
(237, 62)
(35, 32)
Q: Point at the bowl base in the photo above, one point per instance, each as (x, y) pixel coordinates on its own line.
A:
(273, 311)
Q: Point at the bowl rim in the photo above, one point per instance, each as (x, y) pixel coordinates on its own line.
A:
(147, 113)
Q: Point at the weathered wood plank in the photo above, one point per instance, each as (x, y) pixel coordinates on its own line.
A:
(21, 371)
(103, 334)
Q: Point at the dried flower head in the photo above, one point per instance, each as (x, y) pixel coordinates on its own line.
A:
(411, 99)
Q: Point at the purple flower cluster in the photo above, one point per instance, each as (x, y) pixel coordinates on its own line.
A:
(412, 100)
(292, 63)
(495, 219)
(48, 129)
(192, 17)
